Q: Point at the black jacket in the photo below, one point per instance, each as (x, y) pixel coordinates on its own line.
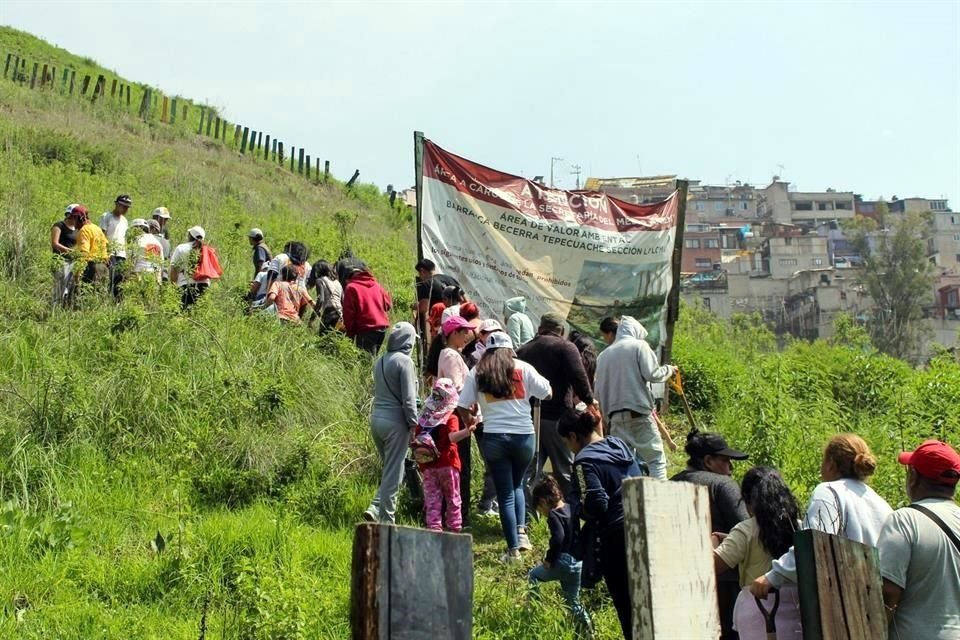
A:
(558, 360)
(599, 471)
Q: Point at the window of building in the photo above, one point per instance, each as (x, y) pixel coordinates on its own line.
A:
(699, 206)
(958, 257)
(691, 243)
(825, 206)
(844, 206)
(719, 205)
(711, 243)
(938, 205)
(803, 206)
(953, 219)
(956, 237)
(744, 205)
(706, 303)
(817, 262)
(704, 263)
(788, 262)
(788, 241)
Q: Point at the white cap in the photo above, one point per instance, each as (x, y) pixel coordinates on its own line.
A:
(196, 233)
(490, 325)
(499, 340)
(140, 223)
(255, 233)
(161, 212)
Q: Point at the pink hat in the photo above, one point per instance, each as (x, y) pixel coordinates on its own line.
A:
(453, 323)
(439, 405)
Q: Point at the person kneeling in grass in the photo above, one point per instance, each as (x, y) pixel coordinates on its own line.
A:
(558, 563)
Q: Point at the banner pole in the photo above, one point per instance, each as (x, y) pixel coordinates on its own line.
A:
(421, 318)
(673, 300)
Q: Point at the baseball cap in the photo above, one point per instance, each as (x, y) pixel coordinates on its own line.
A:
(75, 210)
(934, 460)
(139, 222)
(499, 340)
(552, 321)
(454, 323)
(490, 325)
(153, 226)
(196, 233)
(715, 445)
(124, 200)
(255, 233)
(161, 212)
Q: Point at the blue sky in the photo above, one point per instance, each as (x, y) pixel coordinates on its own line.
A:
(854, 96)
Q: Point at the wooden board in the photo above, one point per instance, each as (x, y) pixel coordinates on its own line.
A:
(672, 580)
(840, 588)
(411, 584)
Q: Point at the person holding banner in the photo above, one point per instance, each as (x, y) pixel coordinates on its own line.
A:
(501, 387)
(625, 370)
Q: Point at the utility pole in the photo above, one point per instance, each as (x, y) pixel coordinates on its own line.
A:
(553, 161)
(576, 170)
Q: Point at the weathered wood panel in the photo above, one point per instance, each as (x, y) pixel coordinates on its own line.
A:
(396, 570)
(670, 558)
(840, 588)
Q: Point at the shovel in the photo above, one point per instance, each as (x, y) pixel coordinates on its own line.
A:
(676, 383)
(770, 617)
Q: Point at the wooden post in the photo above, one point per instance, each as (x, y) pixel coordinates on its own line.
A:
(6, 66)
(15, 76)
(300, 162)
(33, 78)
(387, 560)
(326, 170)
(85, 85)
(292, 149)
(113, 89)
(223, 130)
(672, 580)
(266, 149)
(203, 113)
(280, 153)
(673, 298)
(253, 140)
(216, 128)
(145, 105)
(243, 142)
(184, 113)
(63, 83)
(306, 167)
(840, 588)
(273, 150)
(164, 112)
(173, 111)
(318, 171)
(100, 88)
(73, 78)
(210, 123)
(259, 140)
(236, 136)
(128, 94)
(43, 77)
(353, 178)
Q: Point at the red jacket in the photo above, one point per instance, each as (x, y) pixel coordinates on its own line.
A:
(365, 305)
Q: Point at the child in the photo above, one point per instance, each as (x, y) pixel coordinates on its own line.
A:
(288, 297)
(441, 466)
(559, 563)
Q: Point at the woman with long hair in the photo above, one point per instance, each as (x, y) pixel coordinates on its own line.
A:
(500, 387)
(842, 504)
(751, 546)
(601, 464)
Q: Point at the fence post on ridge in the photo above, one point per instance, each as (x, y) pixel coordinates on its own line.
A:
(33, 77)
(326, 170)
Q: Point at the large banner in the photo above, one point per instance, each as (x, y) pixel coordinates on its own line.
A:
(582, 254)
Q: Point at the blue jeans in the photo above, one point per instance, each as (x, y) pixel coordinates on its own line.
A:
(507, 456)
(566, 571)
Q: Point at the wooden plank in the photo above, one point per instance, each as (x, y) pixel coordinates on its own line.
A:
(307, 166)
(273, 150)
(236, 136)
(43, 77)
(326, 170)
(387, 561)
(670, 559)
(353, 178)
(253, 141)
(173, 111)
(164, 113)
(113, 88)
(128, 94)
(300, 162)
(203, 113)
(280, 153)
(266, 149)
(291, 157)
(317, 178)
(33, 77)
(243, 141)
(216, 128)
(840, 588)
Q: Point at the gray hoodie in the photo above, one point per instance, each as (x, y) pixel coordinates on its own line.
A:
(395, 379)
(625, 370)
(519, 326)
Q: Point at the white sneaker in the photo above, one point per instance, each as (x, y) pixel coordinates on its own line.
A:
(511, 557)
(370, 515)
(524, 541)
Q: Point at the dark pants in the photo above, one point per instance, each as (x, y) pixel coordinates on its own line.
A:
(190, 293)
(116, 275)
(370, 341)
(464, 449)
(95, 272)
(553, 448)
(489, 489)
(728, 589)
(613, 564)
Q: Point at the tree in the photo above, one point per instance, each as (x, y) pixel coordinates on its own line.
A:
(897, 275)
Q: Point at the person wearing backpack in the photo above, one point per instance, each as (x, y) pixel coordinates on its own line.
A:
(329, 305)
(920, 548)
(394, 416)
(435, 451)
(187, 268)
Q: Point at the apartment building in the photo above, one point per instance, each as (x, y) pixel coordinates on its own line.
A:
(779, 203)
(719, 203)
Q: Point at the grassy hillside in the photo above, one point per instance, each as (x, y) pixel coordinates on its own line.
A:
(161, 475)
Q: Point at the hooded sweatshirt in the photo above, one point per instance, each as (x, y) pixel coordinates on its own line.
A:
(625, 370)
(599, 471)
(395, 379)
(365, 305)
(519, 325)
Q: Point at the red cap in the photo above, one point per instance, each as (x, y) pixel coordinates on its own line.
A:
(935, 461)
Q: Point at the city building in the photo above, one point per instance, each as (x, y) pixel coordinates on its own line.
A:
(809, 208)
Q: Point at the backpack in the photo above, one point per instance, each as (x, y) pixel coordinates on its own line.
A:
(423, 445)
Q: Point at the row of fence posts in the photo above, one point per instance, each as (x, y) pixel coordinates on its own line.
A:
(249, 142)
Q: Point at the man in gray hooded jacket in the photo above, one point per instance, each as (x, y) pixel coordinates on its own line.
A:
(394, 415)
(625, 370)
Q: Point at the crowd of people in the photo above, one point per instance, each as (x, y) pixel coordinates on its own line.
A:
(532, 396)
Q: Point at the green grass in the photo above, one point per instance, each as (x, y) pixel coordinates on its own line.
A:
(160, 474)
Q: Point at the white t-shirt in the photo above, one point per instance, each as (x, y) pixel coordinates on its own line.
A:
(917, 556)
(509, 415)
(115, 228)
(845, 507)
(180, 260)
(149, 254)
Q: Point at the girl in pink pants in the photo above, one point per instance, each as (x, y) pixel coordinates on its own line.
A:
(435, 450)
